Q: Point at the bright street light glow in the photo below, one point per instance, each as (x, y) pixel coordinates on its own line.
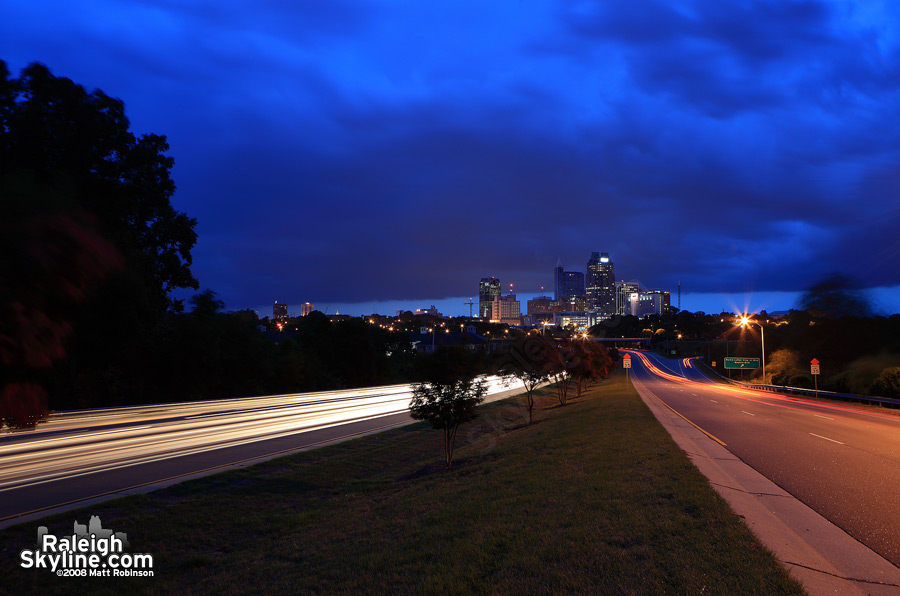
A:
(744, 321)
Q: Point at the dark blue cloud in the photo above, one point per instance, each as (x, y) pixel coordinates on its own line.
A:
(352, 151)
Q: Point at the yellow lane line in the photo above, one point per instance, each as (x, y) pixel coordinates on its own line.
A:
(676, 412)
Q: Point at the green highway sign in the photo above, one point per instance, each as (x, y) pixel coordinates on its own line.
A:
(742, 363)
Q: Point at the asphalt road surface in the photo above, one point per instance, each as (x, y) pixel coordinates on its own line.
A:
(843, 461)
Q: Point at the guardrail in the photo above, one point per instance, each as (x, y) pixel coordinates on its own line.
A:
(802, 391)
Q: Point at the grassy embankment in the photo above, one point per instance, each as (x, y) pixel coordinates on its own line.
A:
(592, 498)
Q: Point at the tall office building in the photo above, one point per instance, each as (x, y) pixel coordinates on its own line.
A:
(279, 312)
(624, 290)
(661, 300)
(306, 308)
(600, 285)
(557, 279)
(567, 284)
(649, 302)
(488, 289)
(541, 304)
(506, 309)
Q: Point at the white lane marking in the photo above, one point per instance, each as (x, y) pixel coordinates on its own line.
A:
(826, 438)
(746, 412)
(825, 417)
(713, 401)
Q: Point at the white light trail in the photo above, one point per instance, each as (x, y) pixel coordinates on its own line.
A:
(114, 438)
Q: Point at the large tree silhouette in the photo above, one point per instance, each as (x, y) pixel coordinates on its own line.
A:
(57, 139)
(92, 247)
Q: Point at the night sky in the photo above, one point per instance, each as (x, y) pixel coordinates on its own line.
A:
(356, 152)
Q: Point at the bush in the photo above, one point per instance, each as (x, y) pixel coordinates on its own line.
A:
(839, 383)
(888, 383)
(803, 381)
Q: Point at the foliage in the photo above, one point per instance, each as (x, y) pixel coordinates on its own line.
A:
(534, 360)
(448, 394)
(208, 354)
(528, 360)
(205, 304)
(888, 383)
(618, 326)
(48, 263)
(91, 246)
(63, 140)
(783, 364)
(803, 380)
(591, 363)
(602, 362)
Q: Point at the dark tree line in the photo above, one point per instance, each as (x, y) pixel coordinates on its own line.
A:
(208, 354)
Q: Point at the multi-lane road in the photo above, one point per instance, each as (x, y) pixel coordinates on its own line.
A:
(77, 456)
(841, 460)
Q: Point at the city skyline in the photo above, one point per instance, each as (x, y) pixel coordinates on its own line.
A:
(349, 150)
(883, 300)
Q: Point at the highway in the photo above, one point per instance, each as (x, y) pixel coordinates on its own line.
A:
(841, 460)
(85, 454)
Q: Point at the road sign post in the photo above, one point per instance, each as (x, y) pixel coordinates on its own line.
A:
(626, 364)
(814, 370)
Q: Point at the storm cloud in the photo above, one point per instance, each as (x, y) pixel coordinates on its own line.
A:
(356, 151)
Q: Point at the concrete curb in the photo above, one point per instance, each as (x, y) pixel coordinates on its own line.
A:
(824, 558)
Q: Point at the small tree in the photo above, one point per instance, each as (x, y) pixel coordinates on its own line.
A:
(448, 393)
(527, 360)
(562, 363)
(888, 383)
(582, 366)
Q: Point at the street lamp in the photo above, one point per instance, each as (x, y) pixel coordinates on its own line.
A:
(744, 321)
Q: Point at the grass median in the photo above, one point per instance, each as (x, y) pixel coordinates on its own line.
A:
(594, 497)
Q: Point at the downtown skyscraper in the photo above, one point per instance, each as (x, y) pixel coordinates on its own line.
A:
(567, 284)
(488, 290)
(600, 285)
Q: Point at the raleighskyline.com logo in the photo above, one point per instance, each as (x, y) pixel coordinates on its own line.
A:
(91, 551)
